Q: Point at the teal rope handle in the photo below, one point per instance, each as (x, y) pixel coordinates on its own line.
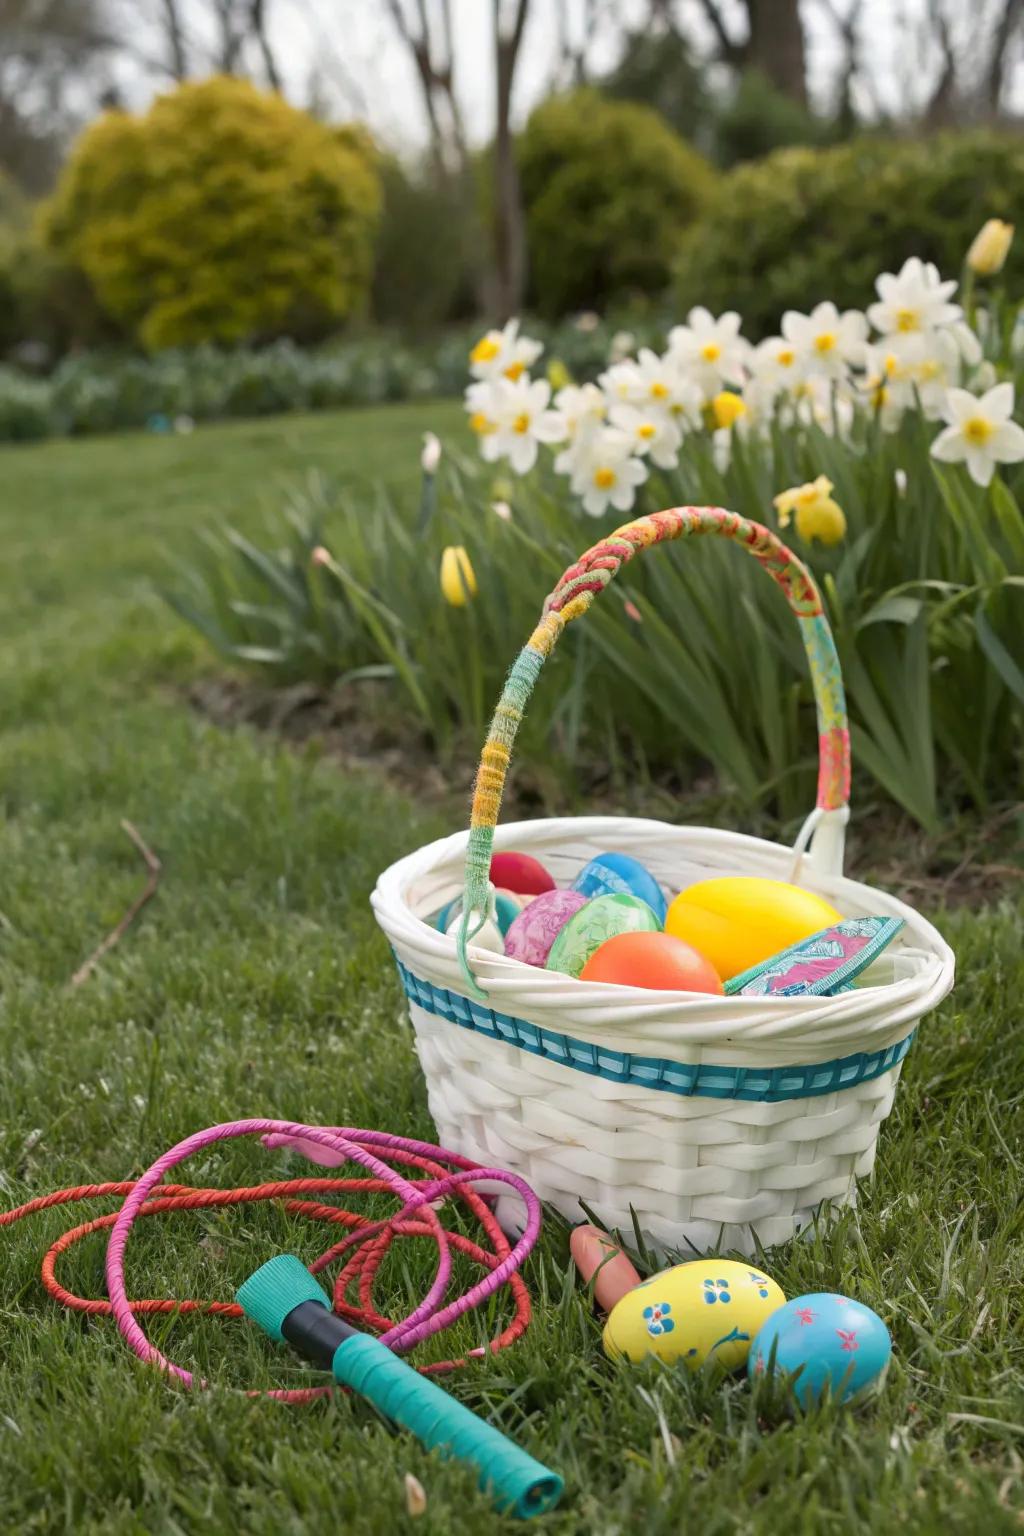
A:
(573, 595)
(517, 1483)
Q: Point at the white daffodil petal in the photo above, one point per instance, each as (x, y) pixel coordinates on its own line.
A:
(949, 446)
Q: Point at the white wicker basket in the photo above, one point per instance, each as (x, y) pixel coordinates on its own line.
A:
(709, 1121)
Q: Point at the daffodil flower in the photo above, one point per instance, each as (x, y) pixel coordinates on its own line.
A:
(813, 510)
(605, 473)
(913, 299)
(503, 354)
(980, 432)
(826, 341)
(711, 350)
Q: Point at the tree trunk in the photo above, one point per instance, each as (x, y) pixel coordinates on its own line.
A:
(509, 230)
(776, 45)
(175, 40)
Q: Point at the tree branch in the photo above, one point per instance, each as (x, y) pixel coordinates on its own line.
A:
(147, 893)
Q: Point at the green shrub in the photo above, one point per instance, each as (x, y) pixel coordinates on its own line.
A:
(221, 214)
(421, 276)
(607, 188)
(758, 118)
(805, 225)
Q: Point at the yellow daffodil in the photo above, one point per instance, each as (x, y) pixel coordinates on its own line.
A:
(727, 408)
(458, 579)
(558, 374)
(990, 247)
(812, 508)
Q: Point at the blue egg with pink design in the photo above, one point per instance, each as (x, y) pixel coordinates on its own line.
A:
(618, 874)
(826, 1343)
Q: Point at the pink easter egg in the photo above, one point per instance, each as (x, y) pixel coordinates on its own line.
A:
(533, 932)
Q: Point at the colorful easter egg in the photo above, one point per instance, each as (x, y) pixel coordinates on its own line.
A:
(520, 872)
(710, 1309)
(838, 1345)
(489, 937)
(535, 929)
(598, 1257)
(598, 920)
(617, 874)
(740, 920)
(656, 960)
(506, 909)
(822, 965)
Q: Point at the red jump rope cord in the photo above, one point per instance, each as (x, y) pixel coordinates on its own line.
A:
(373, 1237)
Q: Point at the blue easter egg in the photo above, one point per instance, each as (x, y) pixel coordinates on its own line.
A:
(834, 1342)
(616, 874)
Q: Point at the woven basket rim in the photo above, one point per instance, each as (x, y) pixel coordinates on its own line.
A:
(630, 1018)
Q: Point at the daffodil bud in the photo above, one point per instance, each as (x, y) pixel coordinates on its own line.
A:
(458, 579)
(990, 247)
(430, 457)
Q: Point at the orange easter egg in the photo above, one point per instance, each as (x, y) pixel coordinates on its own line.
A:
(655, 960)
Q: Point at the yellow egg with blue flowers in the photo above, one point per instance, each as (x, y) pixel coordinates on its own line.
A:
(708, 1309)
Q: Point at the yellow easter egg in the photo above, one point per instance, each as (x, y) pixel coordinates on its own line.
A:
(711, 1308)
(739, 920)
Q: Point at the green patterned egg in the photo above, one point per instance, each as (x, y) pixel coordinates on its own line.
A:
(595, 922)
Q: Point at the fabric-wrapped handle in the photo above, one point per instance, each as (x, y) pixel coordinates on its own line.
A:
(574, 594)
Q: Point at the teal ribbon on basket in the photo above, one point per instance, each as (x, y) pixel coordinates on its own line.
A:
(764, 1084)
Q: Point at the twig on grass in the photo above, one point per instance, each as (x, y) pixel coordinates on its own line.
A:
(148, 891)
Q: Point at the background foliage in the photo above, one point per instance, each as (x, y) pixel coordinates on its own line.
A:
(804, 225)
(221, 214)
(607, 188)
(704, 678)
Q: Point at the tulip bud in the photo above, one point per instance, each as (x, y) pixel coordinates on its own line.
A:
(990, 247)
(458, 579)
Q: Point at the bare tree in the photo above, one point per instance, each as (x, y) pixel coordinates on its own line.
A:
(175, 34)
(510, 233)
(54, 72)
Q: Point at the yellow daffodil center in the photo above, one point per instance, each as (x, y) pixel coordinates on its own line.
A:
(485, 351)
(711, 351)
(785, 357)
(977, 430)
(907, 320)
(514, 370)
(658, 390)
(521, 423)
(825, 342)
(929, 369)
(481, 423)
(646, 430)
(604, 478)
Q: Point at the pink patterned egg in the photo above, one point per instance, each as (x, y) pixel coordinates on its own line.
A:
(535, 929)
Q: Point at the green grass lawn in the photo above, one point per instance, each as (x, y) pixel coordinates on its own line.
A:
(256, 983)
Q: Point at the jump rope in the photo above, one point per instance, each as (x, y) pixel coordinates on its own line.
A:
(286, 1300)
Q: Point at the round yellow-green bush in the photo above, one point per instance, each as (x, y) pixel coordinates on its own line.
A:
(221, 214)
(804, 225)
(607, 188)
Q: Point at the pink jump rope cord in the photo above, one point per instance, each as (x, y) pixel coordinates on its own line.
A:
(344, 1145)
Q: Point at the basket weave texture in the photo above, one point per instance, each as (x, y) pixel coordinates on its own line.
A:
(706, 1122)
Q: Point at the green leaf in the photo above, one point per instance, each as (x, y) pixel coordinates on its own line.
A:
(997, 652)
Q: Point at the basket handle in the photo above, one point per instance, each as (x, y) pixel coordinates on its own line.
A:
(573, 595)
